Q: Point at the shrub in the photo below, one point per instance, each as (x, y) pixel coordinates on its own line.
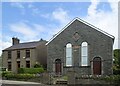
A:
(37, 66)
(116, 71)
(4, 73)
(19, 76)
(31, 70)
(113, 79)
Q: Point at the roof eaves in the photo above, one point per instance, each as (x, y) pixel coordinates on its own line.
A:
(95, 28)
(18, 49)
(61, 31)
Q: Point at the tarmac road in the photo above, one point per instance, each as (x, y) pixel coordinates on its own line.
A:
(19, 83)
(22, 83)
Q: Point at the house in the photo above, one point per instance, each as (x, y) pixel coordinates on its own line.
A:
(81, 47)
(24, 55)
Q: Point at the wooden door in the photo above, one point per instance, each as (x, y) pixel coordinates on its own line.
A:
(58, 66)
(97, 66)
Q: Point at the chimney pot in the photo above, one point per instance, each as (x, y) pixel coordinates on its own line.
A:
(15, 41)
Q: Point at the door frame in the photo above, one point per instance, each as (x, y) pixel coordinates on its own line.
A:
(92, 72)
(60, 63)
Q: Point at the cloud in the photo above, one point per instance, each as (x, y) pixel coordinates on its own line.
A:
(34, 10)
(47, 15)
(28, 31)
(92, 8)
(4, 44)
(60, 15)
(105, 20)
(19, 5)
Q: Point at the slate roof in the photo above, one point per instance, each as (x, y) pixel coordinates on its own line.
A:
(26, 45)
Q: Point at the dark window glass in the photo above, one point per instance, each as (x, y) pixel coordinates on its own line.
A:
(27, 64)
(18, 54)
(18, 64)
(9, 66)
(9, 54)
(27, 53)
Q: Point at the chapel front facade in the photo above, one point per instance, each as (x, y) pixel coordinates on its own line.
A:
(80, 47)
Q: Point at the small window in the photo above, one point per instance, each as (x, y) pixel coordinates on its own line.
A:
(27, 64)
(27, 53)
(69, 54)
(84, 54)
(9, 66)
(9, 55)
(18, 54)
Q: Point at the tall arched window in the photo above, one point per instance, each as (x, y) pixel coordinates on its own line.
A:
(69, 54)
(84, 54)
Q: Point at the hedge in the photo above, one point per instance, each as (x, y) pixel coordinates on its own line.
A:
(30, 70)
(19, 76)
(4, 73)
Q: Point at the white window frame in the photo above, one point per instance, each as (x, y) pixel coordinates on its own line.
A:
(69, 54)
(84, 57)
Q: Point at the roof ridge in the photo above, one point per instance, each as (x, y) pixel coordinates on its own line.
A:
(29, 42)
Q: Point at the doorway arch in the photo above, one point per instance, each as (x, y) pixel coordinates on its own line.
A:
(58, 66)
(97, 66)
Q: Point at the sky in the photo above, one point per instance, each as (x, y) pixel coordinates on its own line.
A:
(31, 21)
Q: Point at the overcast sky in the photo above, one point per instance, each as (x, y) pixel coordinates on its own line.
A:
(31, 21)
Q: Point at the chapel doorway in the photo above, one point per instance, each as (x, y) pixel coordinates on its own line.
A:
(58, 66)
(97, 66)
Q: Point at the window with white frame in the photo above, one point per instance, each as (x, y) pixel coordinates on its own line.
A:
(84, 54)
(69, 54)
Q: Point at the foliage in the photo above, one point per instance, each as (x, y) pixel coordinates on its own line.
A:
(4, 73)
(19, 76)
(10, 75)
(117, 57)
(37, 66)
(114, 79)
(31, 70)
(116, 66)
(65, 77)
(116, 70)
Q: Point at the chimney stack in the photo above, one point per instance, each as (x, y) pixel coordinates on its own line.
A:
(15, 41)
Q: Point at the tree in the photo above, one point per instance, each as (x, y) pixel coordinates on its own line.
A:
(117, 57)
(116, 66)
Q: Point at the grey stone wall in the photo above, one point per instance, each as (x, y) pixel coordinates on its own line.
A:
(99, 45)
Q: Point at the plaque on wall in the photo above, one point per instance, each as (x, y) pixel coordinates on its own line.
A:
(76, 36)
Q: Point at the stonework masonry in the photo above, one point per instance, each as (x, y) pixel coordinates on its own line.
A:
(99, 45)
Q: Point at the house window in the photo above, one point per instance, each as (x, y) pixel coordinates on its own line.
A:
(69, 54)
(84, 54)
(18, 54)
(27, 53)
(27, 64)
(9, 66)
(9, 54)
(18, 64)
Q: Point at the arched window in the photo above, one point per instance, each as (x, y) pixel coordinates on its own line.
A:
(69, 54)
(84, 54)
